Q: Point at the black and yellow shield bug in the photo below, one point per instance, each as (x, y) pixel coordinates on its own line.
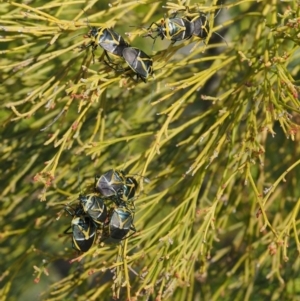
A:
(201, 26)
(121, 222)
(174, 29)
(83, 230)
(107, 39)
(115, 185)
(139, 62)
(131, 188)
(110, 184)
(94, 207)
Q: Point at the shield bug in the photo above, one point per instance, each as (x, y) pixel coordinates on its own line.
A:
(83, 230)
(174, 29)
(131, 188)
(111, 183)
(107, 39)
(94, 207)
(138, 61)
(115, 185)
(121, 222)
(201, 26)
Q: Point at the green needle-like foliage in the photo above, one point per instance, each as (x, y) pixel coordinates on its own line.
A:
(215, 130)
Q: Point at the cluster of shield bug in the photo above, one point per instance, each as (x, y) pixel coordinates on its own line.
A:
(114, 44)
(109, 210)
(173, 28)
(180, 28)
